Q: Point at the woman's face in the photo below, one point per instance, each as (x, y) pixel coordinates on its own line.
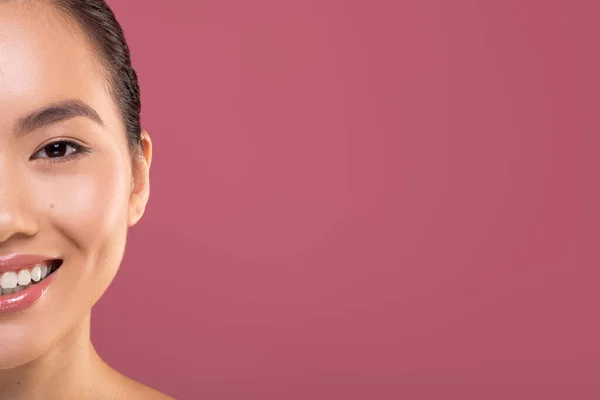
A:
(73, 200)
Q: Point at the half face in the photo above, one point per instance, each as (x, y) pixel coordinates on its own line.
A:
(66, 180)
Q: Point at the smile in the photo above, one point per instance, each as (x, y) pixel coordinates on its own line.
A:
(24, 279)
(16, 281)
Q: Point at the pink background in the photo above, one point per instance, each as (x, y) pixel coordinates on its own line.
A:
(364, 200)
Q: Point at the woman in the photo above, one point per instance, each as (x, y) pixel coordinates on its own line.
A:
(74, 176)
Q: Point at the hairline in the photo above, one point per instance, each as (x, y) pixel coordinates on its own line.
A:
(102, 69)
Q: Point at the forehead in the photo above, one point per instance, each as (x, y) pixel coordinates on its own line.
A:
(45, 58)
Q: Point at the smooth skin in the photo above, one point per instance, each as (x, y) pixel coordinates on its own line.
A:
(68, 204)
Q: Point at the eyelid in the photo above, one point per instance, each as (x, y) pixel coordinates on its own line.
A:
(59, 139)
(80, 150)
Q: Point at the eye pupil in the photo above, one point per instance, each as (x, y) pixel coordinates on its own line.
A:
(56, 150)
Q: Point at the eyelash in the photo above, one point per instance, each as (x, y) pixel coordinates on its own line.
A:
(78, 150)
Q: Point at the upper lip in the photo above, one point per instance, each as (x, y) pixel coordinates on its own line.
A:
(15, 262)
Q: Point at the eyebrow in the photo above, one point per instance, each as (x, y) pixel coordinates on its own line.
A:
(54, 113)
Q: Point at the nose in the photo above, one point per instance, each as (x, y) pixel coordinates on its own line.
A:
(16, 216)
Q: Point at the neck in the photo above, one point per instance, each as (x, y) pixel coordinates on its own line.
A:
(68, 370)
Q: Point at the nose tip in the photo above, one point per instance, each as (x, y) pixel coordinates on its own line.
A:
(16, 217)
(12, 224)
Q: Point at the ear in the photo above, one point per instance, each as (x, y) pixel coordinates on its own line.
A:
(140, 182)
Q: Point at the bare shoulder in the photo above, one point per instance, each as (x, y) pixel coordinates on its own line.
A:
(133, 390)
(142, 392)
(122, 387)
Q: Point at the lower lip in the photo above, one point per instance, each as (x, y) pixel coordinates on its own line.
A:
(26, 297)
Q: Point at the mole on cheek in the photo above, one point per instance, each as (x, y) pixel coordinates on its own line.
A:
(51, 205)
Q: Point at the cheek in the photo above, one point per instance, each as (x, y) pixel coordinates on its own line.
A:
(88, 208)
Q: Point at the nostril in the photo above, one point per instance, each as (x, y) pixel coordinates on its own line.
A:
(16, 222)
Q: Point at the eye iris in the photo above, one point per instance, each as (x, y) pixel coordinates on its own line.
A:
(56, 150)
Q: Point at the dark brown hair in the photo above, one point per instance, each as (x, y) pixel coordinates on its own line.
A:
(104, 31)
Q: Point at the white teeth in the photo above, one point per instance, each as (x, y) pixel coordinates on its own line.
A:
(15, 281)
(36, 274)
(8, 280)
(23, 277)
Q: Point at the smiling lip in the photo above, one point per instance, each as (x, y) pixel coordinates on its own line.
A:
(29, 296)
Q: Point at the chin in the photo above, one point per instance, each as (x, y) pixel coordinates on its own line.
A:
(49, 328)
(20, 346)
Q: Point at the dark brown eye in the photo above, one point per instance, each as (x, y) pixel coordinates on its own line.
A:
(58, 149)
